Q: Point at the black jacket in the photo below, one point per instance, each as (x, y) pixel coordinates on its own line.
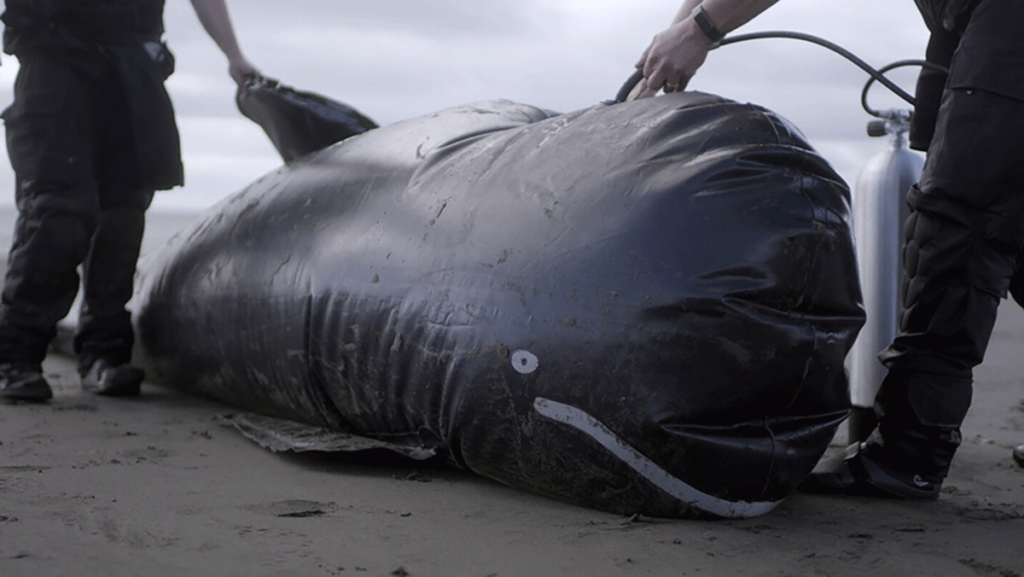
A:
(930, 84)
(33, 24)
(125, 34)
(988, 55)
(950, 15)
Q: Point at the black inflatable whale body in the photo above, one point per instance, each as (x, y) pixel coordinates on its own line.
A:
(642, 308)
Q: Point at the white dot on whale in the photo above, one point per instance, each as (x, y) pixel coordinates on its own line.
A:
(524, 362)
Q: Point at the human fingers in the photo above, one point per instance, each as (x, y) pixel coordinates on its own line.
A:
(643, 90)
(637, 91)
(657, 78)
(677, 85)
(643, 59)
(242, 71)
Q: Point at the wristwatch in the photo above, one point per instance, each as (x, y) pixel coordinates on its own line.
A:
(707, 26)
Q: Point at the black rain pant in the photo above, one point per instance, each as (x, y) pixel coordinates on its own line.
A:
(962, 245)
(70, 141)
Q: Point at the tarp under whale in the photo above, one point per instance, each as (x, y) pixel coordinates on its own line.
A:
(641, 307)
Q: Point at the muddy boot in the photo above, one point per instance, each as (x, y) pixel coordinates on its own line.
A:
(21, 382)
(860, 471)
(108, 379)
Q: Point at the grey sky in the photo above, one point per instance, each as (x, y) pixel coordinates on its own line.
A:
(395, 59)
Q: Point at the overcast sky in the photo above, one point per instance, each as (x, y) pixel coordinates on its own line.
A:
(396, 59)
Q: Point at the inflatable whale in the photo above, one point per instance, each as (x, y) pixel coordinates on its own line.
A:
(641, 307)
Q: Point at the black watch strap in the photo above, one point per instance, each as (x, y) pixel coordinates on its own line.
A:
(707, 26)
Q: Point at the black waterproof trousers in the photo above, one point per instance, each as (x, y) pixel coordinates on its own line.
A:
(80, 203)
(962, 244)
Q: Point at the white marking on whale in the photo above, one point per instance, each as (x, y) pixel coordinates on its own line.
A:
(674, 486)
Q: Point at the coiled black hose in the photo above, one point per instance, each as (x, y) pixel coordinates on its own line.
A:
(876, 75)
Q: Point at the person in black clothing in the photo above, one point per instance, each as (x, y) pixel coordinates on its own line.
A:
(962, 245)
(963, 240)
(91, 135)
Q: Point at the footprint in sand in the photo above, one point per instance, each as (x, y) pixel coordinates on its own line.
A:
(293, 508)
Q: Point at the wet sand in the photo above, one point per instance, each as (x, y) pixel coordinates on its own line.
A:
(154, 486)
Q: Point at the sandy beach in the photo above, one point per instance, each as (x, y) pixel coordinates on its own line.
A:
(155, 486)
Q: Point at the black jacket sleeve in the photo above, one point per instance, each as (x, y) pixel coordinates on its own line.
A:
(930, 85)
